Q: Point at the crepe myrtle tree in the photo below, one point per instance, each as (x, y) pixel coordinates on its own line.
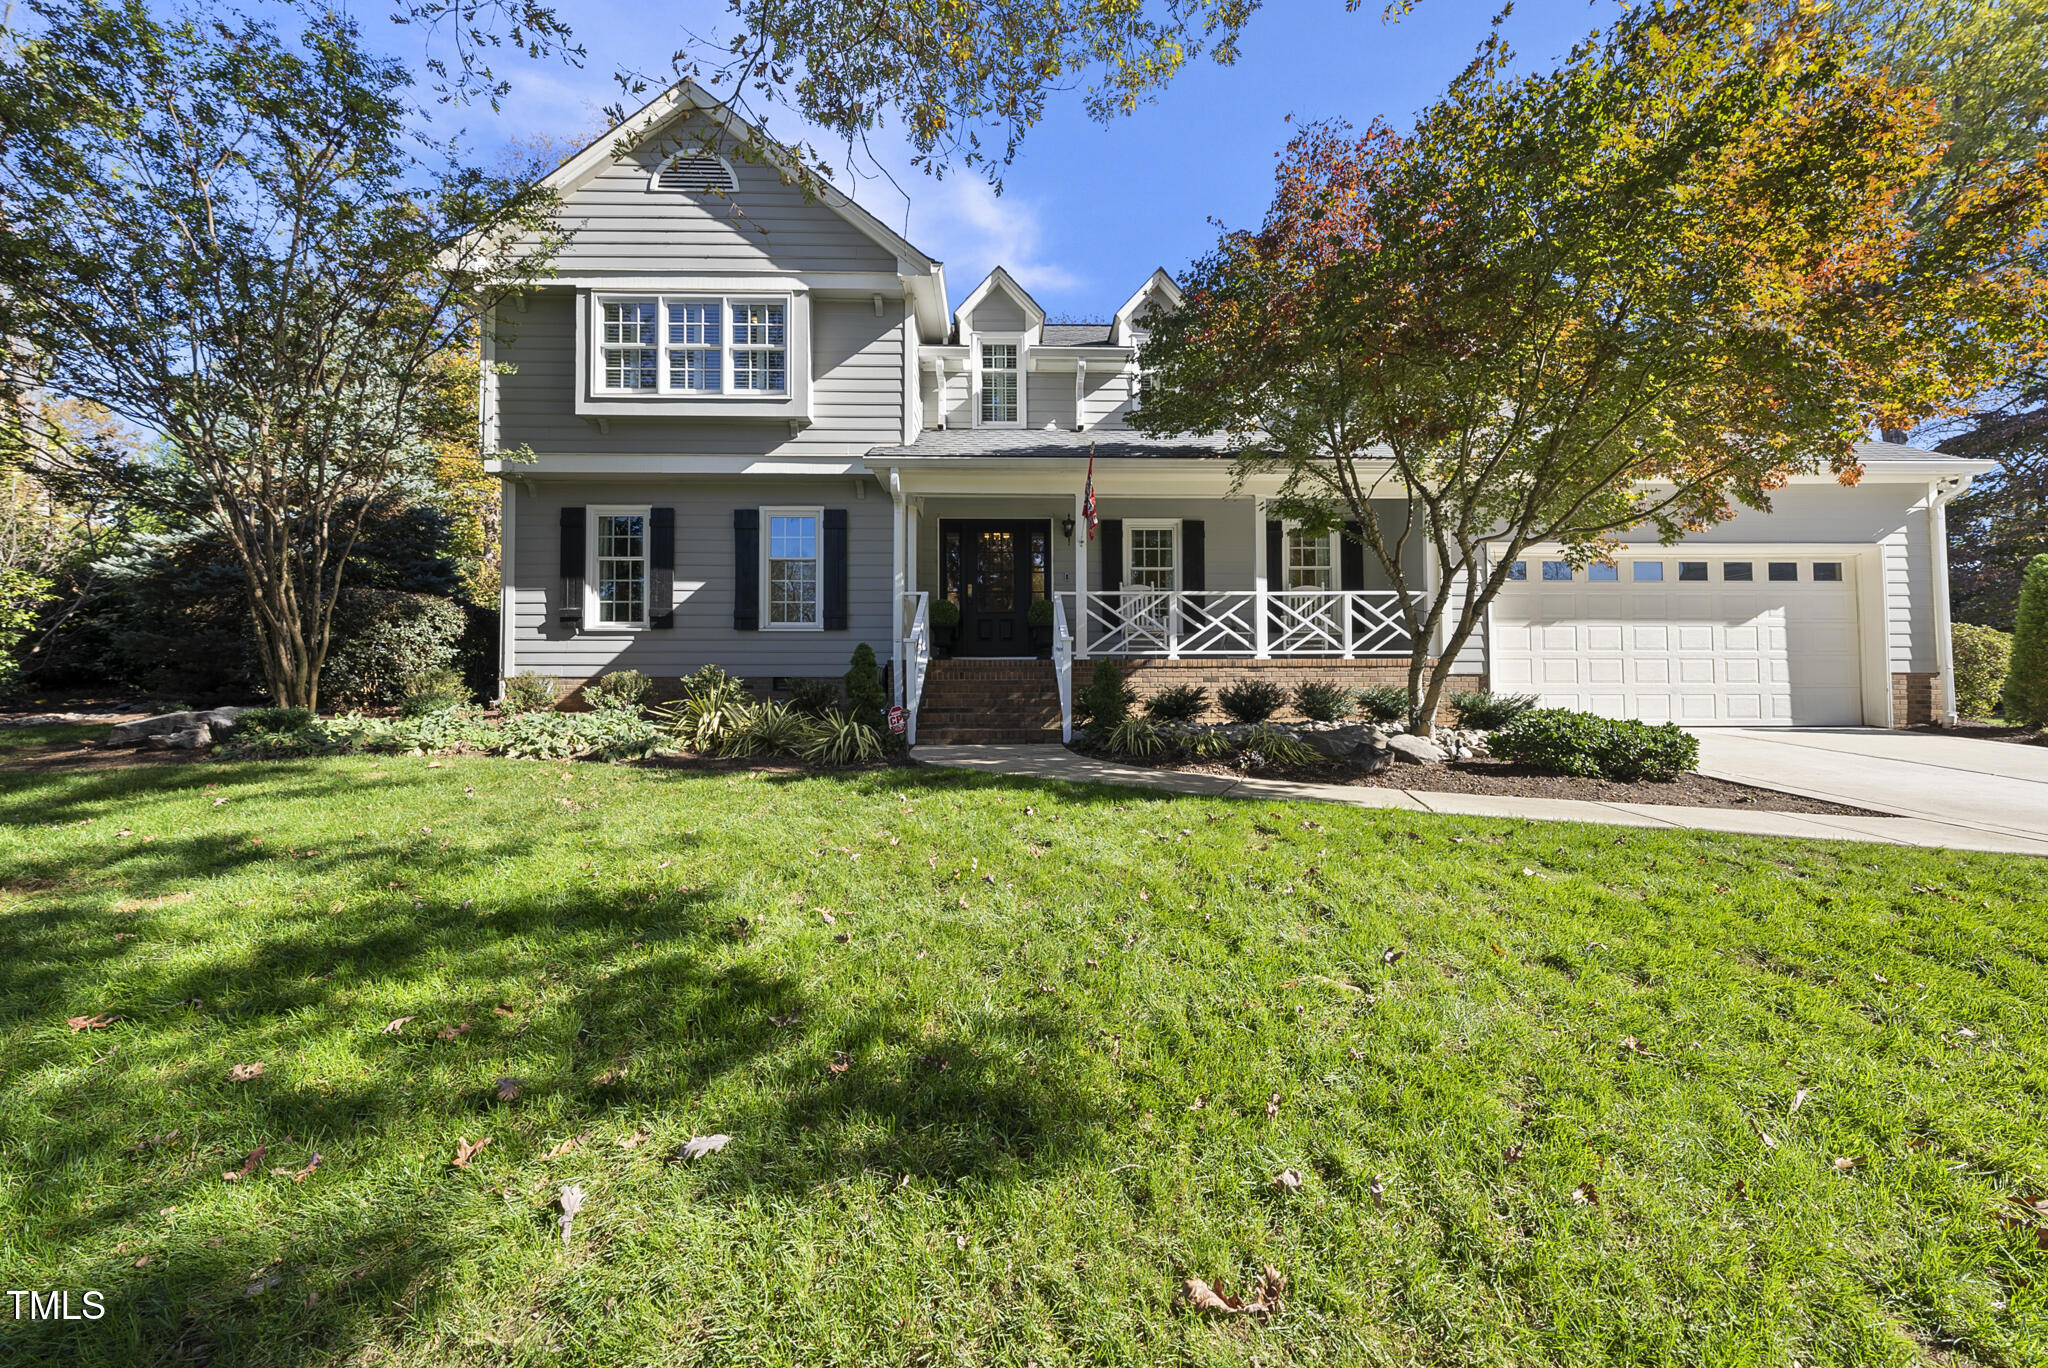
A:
(1622, 296)
(236, 240)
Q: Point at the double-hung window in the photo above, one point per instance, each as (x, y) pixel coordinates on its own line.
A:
(691, 346)
(792, 569)
(1311, 560)
(999, 385)
(760, 347)
(618, 579)
(628, 346)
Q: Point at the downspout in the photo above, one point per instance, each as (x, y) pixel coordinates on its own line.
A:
(1938, 495)
(898, 584)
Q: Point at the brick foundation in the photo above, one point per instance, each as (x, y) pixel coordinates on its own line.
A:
(1916, 699)
(1147, 675)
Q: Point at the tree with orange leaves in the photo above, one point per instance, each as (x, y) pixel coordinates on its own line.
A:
(1622, 296)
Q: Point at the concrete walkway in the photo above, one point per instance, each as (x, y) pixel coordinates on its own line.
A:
(1057, 762)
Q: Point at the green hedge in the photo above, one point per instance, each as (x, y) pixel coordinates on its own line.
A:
(1560, 741)
(1982, 657)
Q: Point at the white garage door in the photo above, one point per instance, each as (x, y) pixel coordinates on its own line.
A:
(1699, 639)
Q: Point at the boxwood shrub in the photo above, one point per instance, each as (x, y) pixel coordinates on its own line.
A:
(1250, 700)
(1560, 741)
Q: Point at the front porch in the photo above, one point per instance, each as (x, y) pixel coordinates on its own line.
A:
(1183, 567)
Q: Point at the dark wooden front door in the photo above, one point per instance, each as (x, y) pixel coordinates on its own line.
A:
(993, 570)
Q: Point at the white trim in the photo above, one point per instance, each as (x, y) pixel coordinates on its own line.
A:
(508, 593)
(816, 513)
(998, 279)
(1330, 541)
(591, 514)
(1014, 341)
(1120, 327)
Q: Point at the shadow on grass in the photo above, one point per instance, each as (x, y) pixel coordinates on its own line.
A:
(624, 1004)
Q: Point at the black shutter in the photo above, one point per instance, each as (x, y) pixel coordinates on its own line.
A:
(746, 569)
(1112, 539)
(1194, 569)
(1276, 557)
(1350, 558)
(571, 611)
(835, 570)
(661, 568)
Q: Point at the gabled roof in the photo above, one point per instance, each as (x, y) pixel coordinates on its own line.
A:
(1158, 283)
(998, 279)
(686, 98)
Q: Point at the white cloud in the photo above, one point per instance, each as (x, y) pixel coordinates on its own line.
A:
(962, 222)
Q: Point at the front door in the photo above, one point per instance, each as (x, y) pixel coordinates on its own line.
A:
(994, 570)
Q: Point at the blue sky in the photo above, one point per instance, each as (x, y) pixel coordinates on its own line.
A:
(1088, 210)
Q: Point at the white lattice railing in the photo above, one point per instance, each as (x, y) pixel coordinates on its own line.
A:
(917, 653)
(1243, 622)
(1063, 665)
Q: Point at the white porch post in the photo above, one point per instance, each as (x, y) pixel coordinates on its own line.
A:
(1080, 624)
(1260, 614)
(900, 582)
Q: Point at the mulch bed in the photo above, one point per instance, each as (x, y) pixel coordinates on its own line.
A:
(1518, 781)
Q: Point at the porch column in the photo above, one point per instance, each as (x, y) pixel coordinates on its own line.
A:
(899, 582)
(1080, 623)
(508, 581)
(1260, 612)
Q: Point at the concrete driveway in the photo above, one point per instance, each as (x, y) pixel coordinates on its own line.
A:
(1993, 787)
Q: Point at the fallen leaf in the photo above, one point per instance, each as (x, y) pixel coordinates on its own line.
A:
(1288, 1180)
(1390, 955)
(243, 1073)
(300, 1175)
(785, 1021)
(829, 919)
(248, 1167)
(697, 1146)
(150, 1142)
(453, 1032)
(1265, 1300)
(1272, 1106)
(1378, 1190)
(559, 1150)
(143, 1261)
(571, 1201)
(1798, 1101)
(1843, 1164)
(508, 1088)
(1634, 1046)
(466, 1150)
(1585, 1194)
(841, 1062)
(1762, 1134)
(636, 1139)
(503, 1011)
(98, 1022)
(394, 1027)
(1512, 1154)
(1965, 1033)
(259, 1286)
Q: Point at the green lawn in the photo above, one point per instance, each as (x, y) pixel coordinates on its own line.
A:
(1013, 1094)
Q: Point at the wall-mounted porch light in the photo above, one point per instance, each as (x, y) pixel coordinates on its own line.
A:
(1067, 528)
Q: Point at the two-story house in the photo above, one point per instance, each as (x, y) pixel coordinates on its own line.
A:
(741, 427)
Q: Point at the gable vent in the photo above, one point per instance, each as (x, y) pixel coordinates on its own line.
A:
(696, 173)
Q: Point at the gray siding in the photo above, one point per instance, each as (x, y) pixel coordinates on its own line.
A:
(1049, 400)
(856, 388)
(620, 225)
(703, 633)
(998, 313)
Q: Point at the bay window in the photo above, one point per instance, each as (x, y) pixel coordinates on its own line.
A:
(693, 346)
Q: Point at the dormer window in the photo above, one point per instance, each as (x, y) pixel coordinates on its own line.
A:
(693, 346)
(696, 173)
(999, 389)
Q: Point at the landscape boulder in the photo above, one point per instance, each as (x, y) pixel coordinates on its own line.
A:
(1416, 750)
(191, 738)
(218, 723)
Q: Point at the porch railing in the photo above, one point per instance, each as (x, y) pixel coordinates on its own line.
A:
(1063, 666)
(1243, 622)
(917, 656)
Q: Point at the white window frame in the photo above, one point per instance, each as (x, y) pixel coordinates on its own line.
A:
(1172, 525)
(1015, 341)
(1329, 540)
(817, 517)
(591, 601)
(725, 300)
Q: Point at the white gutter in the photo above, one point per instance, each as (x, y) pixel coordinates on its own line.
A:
(1938, 495)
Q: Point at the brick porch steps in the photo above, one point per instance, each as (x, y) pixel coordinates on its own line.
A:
(989, 702)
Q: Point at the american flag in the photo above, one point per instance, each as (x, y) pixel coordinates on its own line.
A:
(1088, 496)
